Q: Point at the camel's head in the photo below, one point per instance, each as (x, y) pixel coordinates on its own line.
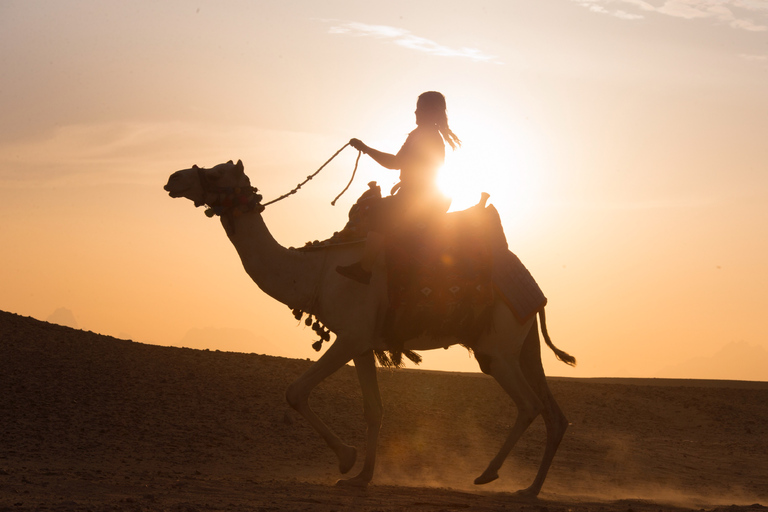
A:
(224, 187)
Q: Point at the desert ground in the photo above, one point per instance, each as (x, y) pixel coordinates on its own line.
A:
(94, 423)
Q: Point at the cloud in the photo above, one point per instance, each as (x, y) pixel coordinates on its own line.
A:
(754, 58)
(735, 13)
(597, 6)
(404, 38)
(627, 16)
(134, 153)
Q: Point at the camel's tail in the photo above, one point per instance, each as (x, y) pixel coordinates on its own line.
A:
(561, 354)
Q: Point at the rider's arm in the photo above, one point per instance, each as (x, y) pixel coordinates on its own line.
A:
(386, 160)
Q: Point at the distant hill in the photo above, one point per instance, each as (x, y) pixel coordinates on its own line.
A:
(750, 362)
(91, 422)
(63, 316)
(228, 339)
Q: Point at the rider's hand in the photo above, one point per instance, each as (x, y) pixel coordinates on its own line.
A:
(358, 145)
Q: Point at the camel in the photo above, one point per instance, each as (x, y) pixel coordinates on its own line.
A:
(509, 351)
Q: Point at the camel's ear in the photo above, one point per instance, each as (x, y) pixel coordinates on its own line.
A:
(240, 166)
(195, 167)
(230, 162)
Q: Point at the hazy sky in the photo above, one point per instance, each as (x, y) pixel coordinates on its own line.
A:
(623, 141)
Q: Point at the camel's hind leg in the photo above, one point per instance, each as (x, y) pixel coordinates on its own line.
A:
(554, 420)
(510, 377)
(499, 356)
(519, 371)
(298, 392)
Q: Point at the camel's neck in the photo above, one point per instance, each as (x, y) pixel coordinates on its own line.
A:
(289, 276)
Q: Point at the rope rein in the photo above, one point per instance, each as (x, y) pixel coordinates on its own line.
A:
(333, 203)
(354, 171)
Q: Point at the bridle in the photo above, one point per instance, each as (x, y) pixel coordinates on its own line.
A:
(228, 201)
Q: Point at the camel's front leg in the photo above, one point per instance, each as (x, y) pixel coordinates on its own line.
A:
(365, 365)
(298, 397)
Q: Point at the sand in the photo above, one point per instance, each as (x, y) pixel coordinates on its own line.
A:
(92, 423)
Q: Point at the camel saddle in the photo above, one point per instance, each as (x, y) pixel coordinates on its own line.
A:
(443, 277)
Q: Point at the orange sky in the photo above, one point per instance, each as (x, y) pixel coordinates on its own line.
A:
(622, 141)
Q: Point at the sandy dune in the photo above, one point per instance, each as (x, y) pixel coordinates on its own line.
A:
(89, 422)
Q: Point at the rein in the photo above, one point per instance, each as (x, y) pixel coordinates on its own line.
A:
(333, 203)
(238, 200)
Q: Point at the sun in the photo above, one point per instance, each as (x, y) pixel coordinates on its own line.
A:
(496, 161)
(471, 170)
(464, 185)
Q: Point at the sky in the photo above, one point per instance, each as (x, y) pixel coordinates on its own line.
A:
(622, 141)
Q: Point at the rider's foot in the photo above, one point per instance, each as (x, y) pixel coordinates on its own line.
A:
(356, 272)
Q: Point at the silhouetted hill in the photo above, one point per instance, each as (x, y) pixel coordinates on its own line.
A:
(90, 422)
(751, 360)
(229, 339)
(63, 316)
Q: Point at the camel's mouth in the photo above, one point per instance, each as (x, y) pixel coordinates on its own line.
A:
(174, 193)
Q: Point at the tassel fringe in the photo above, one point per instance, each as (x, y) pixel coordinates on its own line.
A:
(385, 358)
(320, 330)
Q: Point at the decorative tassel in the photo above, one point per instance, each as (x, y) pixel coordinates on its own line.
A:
(320, 329)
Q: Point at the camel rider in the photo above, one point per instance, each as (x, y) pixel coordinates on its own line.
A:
(415, 200)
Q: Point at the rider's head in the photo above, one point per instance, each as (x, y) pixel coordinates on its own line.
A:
(431, 110)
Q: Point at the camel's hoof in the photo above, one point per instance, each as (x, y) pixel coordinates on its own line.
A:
(486, 478)
(356, 483)
(528, 494)
(347, 459)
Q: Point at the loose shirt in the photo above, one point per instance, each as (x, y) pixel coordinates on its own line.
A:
(422, 155)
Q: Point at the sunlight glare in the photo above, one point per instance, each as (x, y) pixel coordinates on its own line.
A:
(501, 161)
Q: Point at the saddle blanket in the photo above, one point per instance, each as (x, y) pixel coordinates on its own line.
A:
(447, 284)
(516, 286)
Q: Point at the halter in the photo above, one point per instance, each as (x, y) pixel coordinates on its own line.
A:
(228, 201)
